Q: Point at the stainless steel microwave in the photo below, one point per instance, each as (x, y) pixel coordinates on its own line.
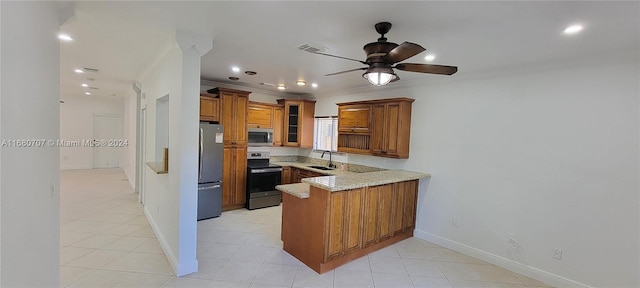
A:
(260, 137)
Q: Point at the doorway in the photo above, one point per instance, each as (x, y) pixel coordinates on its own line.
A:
(107, 131)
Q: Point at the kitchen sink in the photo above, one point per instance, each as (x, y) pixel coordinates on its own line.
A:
(321, 167)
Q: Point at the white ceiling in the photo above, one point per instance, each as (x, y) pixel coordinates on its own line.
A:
(120, 38)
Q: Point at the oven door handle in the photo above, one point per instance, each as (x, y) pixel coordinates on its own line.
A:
(265, 170)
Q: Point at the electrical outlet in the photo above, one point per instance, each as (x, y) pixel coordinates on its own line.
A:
(557, 253)
(455, 221)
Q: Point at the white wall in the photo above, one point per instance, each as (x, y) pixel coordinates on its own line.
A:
(550, 154)
(76, 123)
(129, 133)
(171, 199)
(29, 176)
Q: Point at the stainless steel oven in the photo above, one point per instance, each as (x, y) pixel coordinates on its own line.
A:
(262, 178)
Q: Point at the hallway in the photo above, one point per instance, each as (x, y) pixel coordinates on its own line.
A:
(105, 239)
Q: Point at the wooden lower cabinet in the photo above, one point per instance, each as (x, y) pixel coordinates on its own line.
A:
(344, 223)
(286, 175)
(298, 174)
(234, 177)
(329, 229)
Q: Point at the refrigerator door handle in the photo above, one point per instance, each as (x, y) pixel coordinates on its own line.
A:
(209, 187)
(201, 151)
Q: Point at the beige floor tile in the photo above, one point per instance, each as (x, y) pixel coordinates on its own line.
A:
(459, 271)
(429, 282)
(157, 264)
(227, 284)
(69, 275)
(423, 268)
(492, 273)
(384, 280)
(101, 278)
(68, 238)
(392, 265)
(468, 284)
(126, 243)
(131, 261)
(145, 231)
(96, 259)
(275, 275)
(531, 282)
(352, 279)
(123, 229)
(207, 268)
(182, 282)
(96, 241)
(305, 277)
(143, 280)
(235, 271)
(68, 254)
(360, 264)
(151, 246)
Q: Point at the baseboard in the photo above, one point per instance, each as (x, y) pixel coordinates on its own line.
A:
(75, 167)
(179, 269)
(532, 272)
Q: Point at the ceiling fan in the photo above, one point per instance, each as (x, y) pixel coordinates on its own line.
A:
(383, 57)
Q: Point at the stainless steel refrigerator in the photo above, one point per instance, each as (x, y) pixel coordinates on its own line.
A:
(210, 170)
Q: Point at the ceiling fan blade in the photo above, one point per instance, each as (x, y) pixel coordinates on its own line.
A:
(365, 63)
(427, 68)
(404, 51)
(363, 68)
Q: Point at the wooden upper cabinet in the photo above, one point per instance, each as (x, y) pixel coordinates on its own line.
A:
(260, 115)
(278, 125)
(234, 105)
(354, 118)
(209, 107)
(298, 122)
(389, 129)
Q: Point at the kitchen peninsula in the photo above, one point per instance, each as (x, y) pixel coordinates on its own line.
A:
(330, 220)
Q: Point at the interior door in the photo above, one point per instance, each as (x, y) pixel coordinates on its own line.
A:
(107, 130)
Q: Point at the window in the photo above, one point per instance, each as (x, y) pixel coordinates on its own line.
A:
(325, 136)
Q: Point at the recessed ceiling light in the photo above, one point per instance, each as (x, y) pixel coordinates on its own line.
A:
(78, 70)
(314, 85)
(429, 57)
(573, 29)
(281, 87)
(301, 83)
(250, 72)
(235, 69)
(85, 85)
(87, 93)
(234, 78)
(65, 37)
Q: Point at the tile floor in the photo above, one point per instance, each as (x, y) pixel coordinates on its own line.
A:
(106, 241)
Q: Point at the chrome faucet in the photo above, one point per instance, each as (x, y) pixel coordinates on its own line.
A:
(331, 165)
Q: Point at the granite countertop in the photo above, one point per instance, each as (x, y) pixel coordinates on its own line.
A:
(359, 180)
(338, 180)
(300, 190)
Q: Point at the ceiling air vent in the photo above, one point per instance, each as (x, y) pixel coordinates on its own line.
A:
(90, 70)
(312, 48)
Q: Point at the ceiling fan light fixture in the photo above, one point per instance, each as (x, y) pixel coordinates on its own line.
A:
(379, 76)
